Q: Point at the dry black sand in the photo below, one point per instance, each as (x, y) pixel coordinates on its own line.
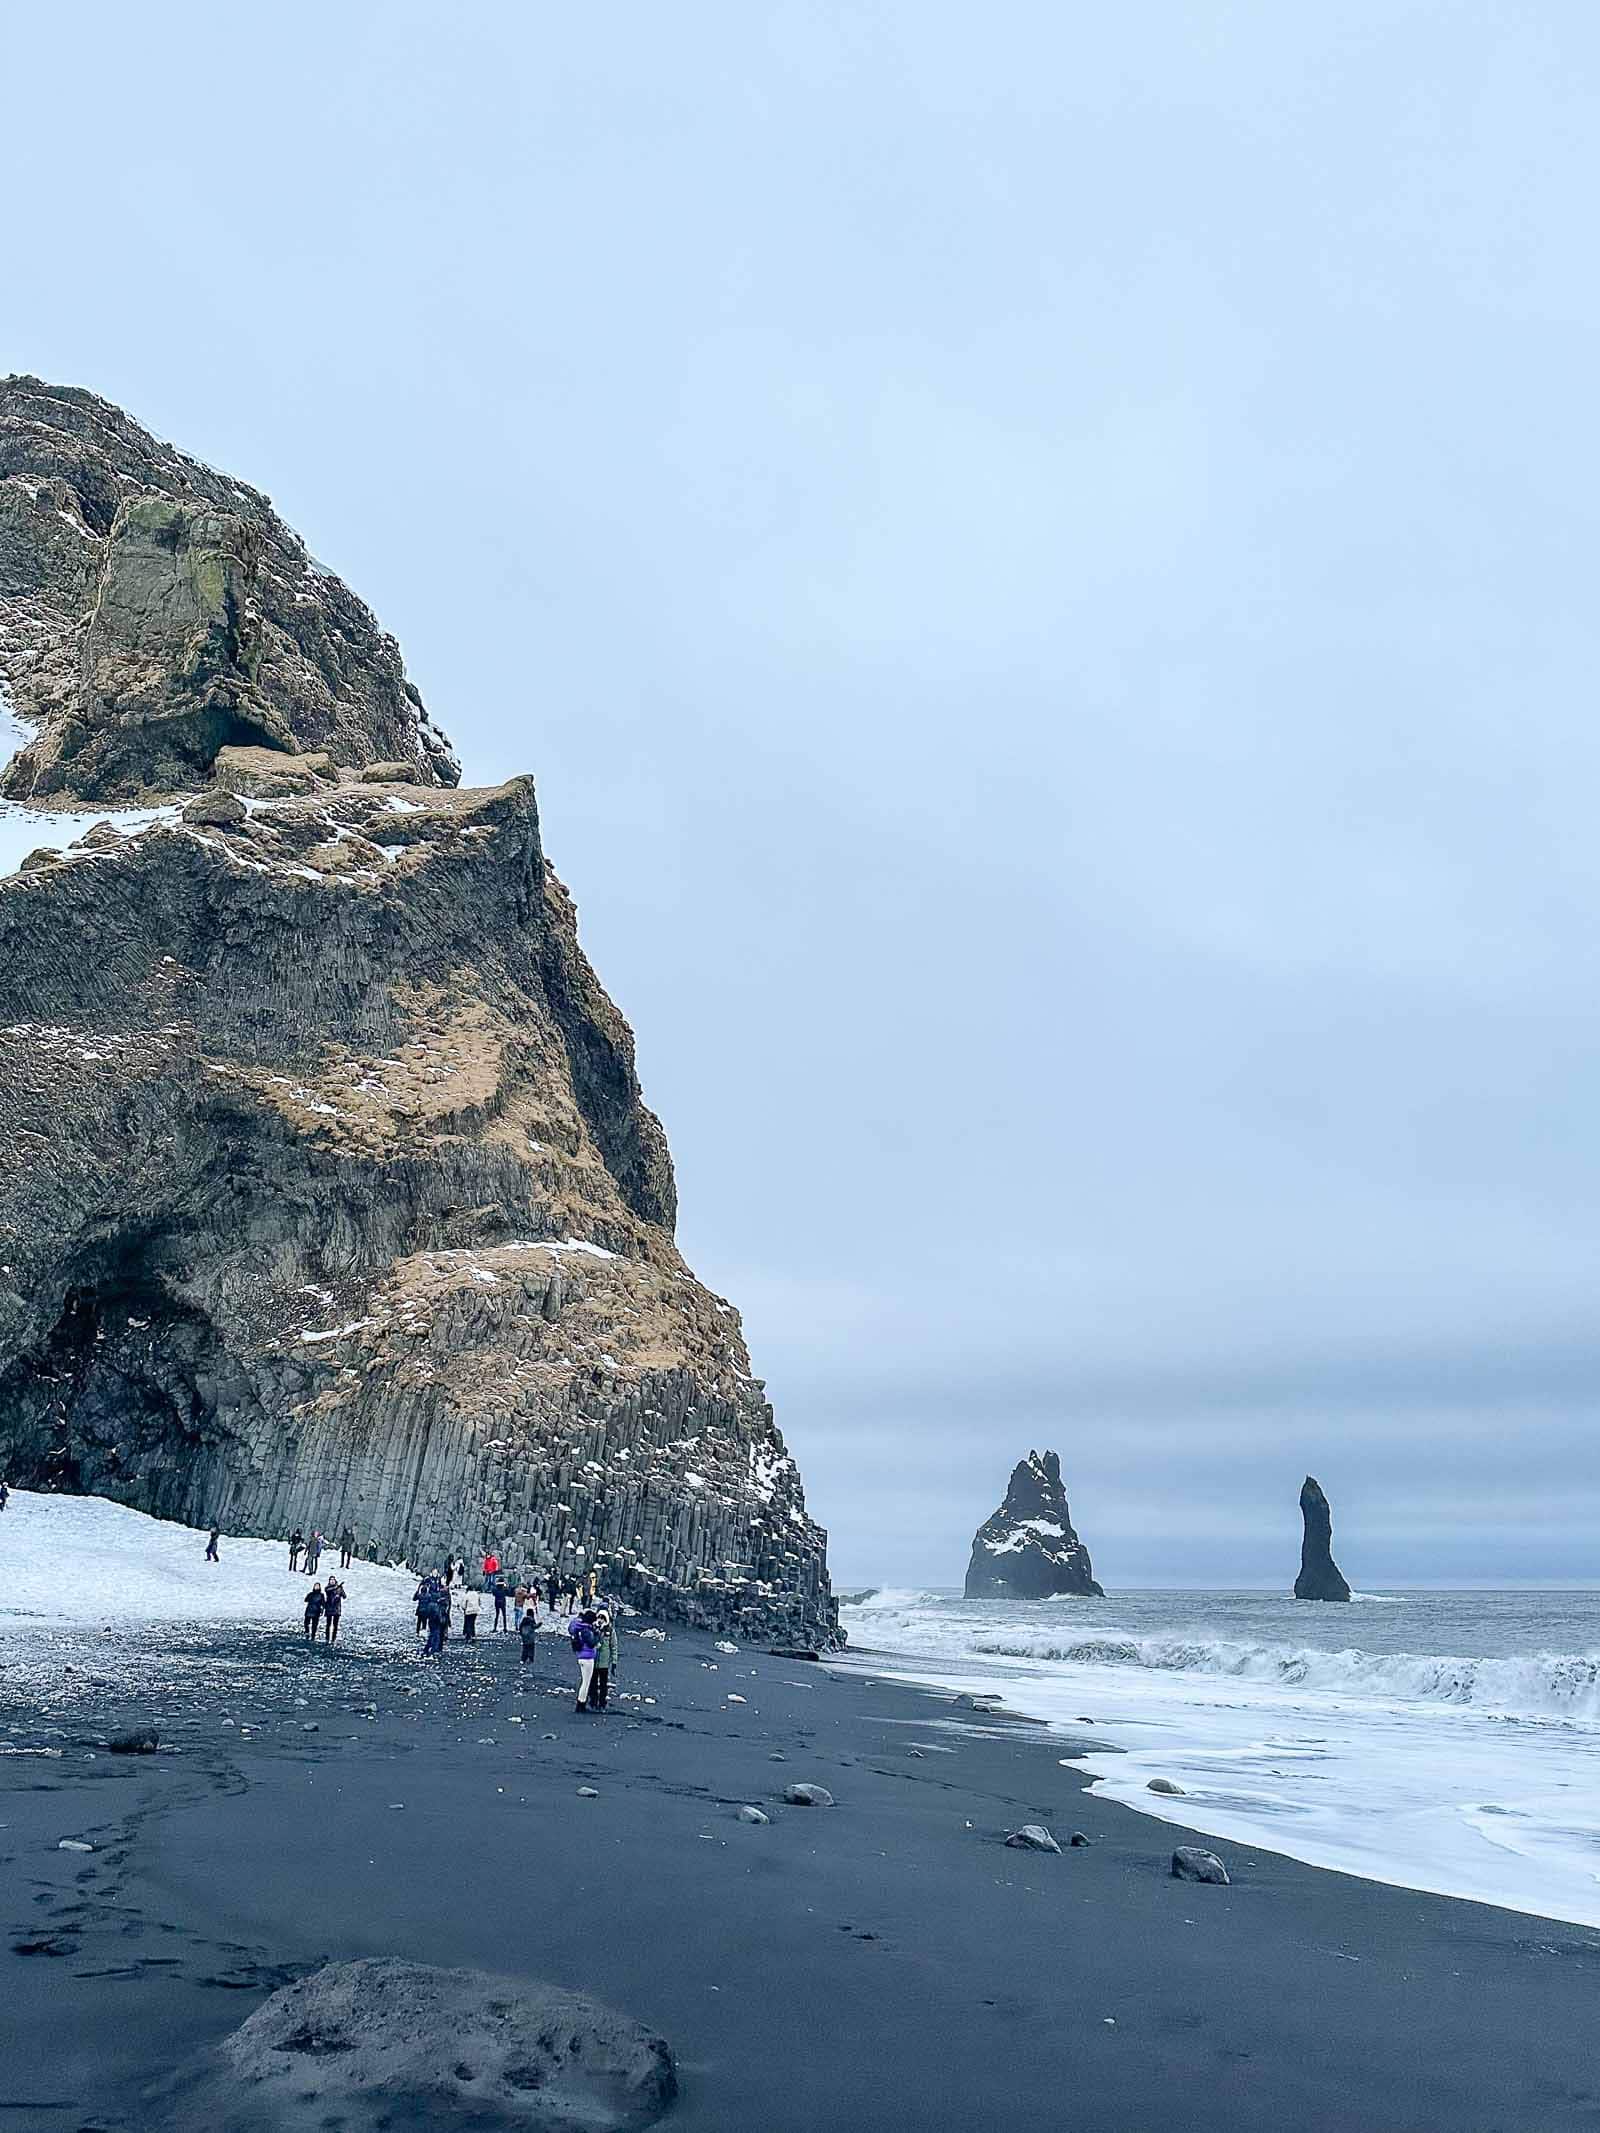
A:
(883, 1964)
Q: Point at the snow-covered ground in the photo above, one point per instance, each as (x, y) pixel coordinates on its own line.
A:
(83, 1563)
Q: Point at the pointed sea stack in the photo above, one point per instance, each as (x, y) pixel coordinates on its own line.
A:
(1320, 1577)
(1027, 1550)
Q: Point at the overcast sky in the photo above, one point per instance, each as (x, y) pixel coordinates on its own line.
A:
(1043, 559)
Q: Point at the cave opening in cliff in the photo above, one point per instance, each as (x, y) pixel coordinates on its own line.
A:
(117, 1399)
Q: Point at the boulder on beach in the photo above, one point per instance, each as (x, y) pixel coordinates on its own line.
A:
(1191, 1863)
(808, 1796)
(1032, 1837)
(1027, 1549)
(381, 2044)
(1320, 1577)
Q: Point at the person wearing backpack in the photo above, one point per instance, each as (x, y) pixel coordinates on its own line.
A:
(605, 1660)
(585, 1642)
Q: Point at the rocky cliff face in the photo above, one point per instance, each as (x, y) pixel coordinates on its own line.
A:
(1320, 1577)
(153, 612)
(1027, 1549)
(327, 1192)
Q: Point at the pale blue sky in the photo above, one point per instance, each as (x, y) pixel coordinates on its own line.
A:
(1042, 559)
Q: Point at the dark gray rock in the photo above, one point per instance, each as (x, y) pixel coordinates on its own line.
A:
(1165, 1785)
(141, 1742)
(1320, 1577)
(1027, 1549)
(808, 1795)
(1079, 1840)
(327, 1191)
(381, 2046)
(1191, 1863)
(158, 612)
(1033, 1837)
(753, 1815)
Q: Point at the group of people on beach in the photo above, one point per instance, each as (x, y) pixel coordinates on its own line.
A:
(312, 1545)
(590, 1632)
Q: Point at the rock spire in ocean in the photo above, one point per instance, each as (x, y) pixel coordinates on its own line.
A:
(1027, 1549)
(327, 1192)
(1320, 1577)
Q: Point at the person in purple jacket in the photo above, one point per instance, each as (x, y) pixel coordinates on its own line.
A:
(585, 1642)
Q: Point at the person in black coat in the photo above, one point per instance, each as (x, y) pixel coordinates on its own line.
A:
(297, 1541)
(314, 1606)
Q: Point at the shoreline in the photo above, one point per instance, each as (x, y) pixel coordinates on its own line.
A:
(883, 1964)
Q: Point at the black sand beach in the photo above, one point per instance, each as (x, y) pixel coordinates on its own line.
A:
(884, 1964)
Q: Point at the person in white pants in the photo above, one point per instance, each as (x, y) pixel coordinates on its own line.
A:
(585, 1642)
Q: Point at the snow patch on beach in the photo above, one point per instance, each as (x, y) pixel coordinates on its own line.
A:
(80, 1561)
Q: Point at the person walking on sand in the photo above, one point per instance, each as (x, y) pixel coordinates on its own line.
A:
(347, 1548)
(211, 1545)
(553, 1589)
(332, 1608)
(605, 1660)
(519, 1604)
(581, 1632)
(314, 1606)
(528, 1631)
(471, 1601)
(314, 1552)
(297, 1541)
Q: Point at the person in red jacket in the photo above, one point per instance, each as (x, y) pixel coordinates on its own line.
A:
(491, 1566)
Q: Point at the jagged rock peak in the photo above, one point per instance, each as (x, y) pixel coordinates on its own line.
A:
(1027, 1549)
(154, 613)
(1320, 1577)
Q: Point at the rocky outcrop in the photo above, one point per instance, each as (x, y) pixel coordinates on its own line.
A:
(328, 1195)
(1320, 1577)
(1027, 1549)
(377, 2044)
(153, 612)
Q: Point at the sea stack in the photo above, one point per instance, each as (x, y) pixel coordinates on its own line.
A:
(328, 1195)
(1027, 1549)
(1320, 1577)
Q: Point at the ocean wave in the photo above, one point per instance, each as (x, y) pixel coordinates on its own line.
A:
(1539, 1685)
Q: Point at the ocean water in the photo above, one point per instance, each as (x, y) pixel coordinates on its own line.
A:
(1447, 1741)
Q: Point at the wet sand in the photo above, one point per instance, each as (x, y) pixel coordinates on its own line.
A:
(883, 1964)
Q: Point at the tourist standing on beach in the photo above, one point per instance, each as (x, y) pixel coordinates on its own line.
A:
(605, 1660)
(332, 1607)
(553, 1589)
(471, 1601)
(528, 1631)
(211, 1545)
(581, 1631)
(314, 1607)
(5, 1495)
(314, 1552)
(347, 1548)
(297, 1541)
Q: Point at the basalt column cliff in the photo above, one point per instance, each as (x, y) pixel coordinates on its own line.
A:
(327, 1194)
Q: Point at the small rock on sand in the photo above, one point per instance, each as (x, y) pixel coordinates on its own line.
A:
(1033, 1837)
(1190, 1863)
(808, 1795)
(753, 1814)
(1165, 1785)
(73, 1844)
(1078, 1840)
(588, 1792)
(139, 1743)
